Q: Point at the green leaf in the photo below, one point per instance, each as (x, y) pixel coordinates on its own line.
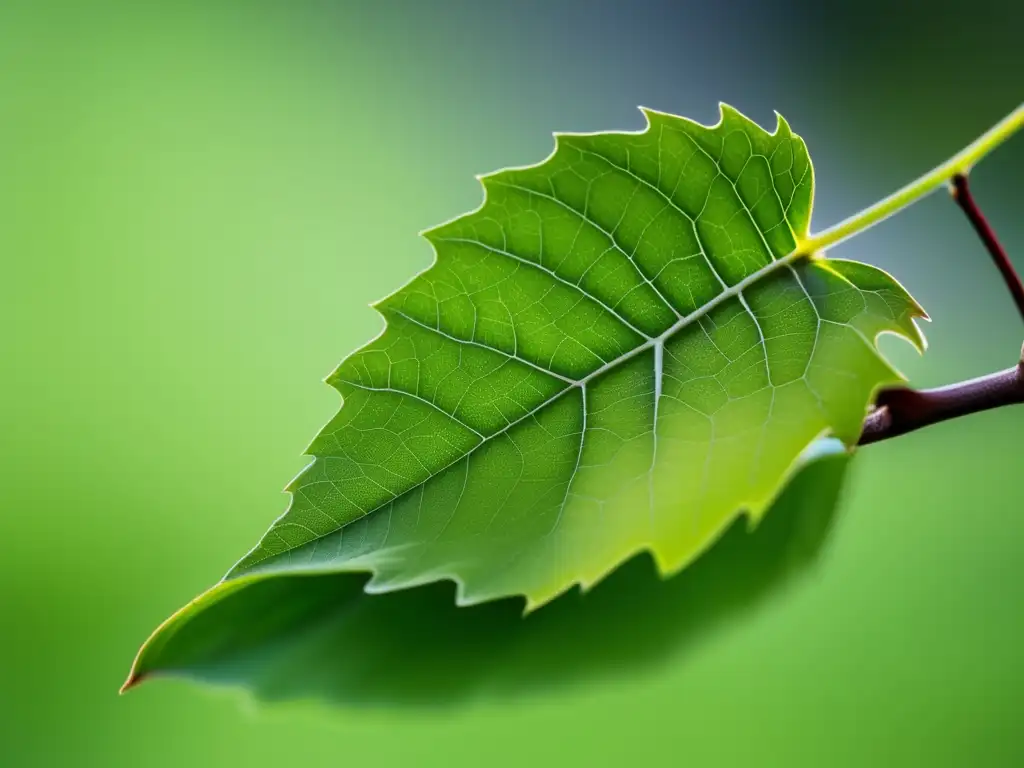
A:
(623, 349)
(323, 637)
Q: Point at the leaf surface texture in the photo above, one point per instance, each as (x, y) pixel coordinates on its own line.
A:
(620, 350)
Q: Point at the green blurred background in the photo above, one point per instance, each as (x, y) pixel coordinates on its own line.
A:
(199, 199)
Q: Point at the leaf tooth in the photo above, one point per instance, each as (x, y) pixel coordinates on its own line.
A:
(656, 117)
(782, 128)
(733, 117)
(650, 115)
(728, 113)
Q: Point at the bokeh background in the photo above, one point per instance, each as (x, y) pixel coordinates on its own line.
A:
(199, 199)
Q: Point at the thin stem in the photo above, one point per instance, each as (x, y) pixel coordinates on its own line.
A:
(964, 198)
(960, 163)
(899, 411)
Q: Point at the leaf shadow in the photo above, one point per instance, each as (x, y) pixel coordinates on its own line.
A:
(323, 638)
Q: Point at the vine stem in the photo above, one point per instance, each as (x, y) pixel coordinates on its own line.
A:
(902, 410)
(962, 195)
(960, 164)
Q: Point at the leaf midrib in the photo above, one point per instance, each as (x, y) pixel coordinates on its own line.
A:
(683, 322)
(651, 342)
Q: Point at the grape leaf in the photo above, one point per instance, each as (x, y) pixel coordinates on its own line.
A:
(623, 349)
(322, 637)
